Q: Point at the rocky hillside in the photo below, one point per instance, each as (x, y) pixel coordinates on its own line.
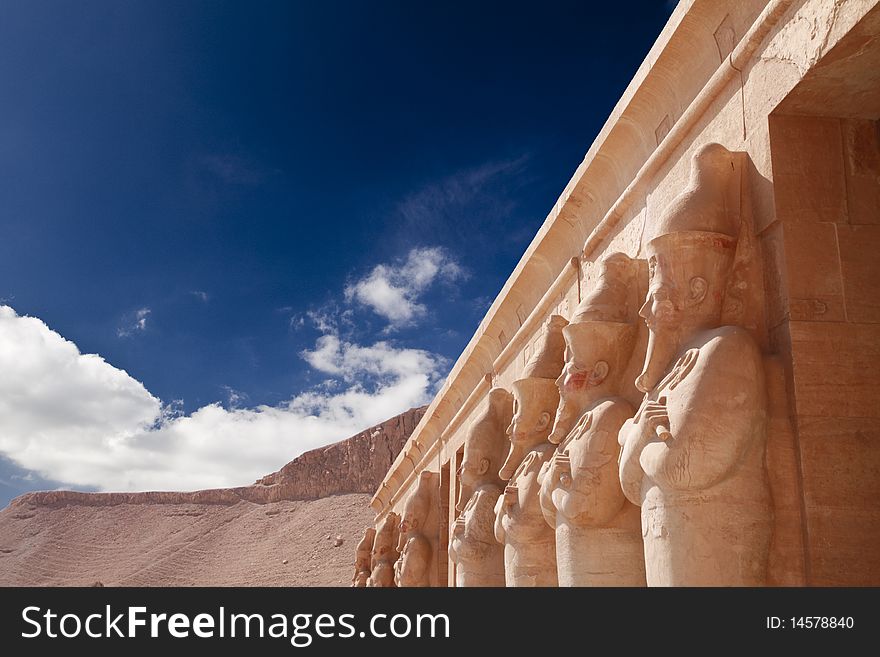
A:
(295, 527)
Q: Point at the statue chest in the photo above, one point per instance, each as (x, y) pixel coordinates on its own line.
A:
(521, 495)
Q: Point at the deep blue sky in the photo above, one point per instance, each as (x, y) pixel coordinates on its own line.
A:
(266, 154)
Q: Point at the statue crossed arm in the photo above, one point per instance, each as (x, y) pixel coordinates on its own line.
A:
(471, 538)
(583, 476)
(709, 418)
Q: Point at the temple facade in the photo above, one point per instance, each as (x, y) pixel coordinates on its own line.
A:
(680, 370)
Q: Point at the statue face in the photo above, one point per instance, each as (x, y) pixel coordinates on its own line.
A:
(474, 465)
(471, 472)
(409, 522)
(584, 371)
(662, 312)
(670, 307)
(572, 384)
(529, 418)
(575, 372)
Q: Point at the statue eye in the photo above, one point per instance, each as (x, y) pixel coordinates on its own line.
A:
(660, 296)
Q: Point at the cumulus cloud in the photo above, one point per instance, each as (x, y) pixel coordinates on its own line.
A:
(382, 360)
(75, 418)
(392, 291)
(135, 322)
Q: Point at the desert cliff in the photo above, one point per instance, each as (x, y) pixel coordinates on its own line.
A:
(284, 530)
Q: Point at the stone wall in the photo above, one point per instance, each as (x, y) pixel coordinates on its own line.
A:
(826, 316)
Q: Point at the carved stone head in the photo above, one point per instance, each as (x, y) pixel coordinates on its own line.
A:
(384, 545)
(384, 552)
(598, 342)
(416, 509)
(535, 396)
(689, 261)
(485, 446)
(363, 552)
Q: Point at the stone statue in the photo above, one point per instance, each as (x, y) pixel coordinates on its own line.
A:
(693, 455)
(362, 558)
(598, 542)
(529, 544)
(478, 558)
(416, 542)
(384, 553)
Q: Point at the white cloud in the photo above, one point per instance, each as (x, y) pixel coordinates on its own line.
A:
(353, 361)
(392, 291)
(134, 323)
(75, 418)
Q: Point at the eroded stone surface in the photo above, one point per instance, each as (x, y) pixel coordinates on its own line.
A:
(598, 542)
(693, 455)
(417, 542)
(385, 553)
(478, 558)
(529, 544)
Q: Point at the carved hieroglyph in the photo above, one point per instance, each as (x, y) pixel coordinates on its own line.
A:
(478, 558)
(363, 557)
(418, 534)
(598, 541)
(529, 544)
(384, 553)
(693, 455)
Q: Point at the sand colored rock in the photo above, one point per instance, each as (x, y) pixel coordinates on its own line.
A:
(185, 544)
(529, 544)
(355, 465)
(363, 558)
(693, 456)
(598, 540)
(384, 554)
(418, 535)
(62, 538)
(478, 558)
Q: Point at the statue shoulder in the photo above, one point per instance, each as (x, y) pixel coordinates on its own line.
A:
(611, 413)
(728, 353)
(730, 344)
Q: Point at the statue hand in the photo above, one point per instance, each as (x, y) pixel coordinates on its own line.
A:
(560, 474)
(511, 497)
(458, 528)
(656, 419)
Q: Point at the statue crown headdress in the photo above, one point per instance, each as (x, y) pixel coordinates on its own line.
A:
(547, 361)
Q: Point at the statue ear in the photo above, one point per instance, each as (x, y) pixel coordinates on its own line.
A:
(484, 466)
(543, 421)
(699, 288)
(599, 373)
